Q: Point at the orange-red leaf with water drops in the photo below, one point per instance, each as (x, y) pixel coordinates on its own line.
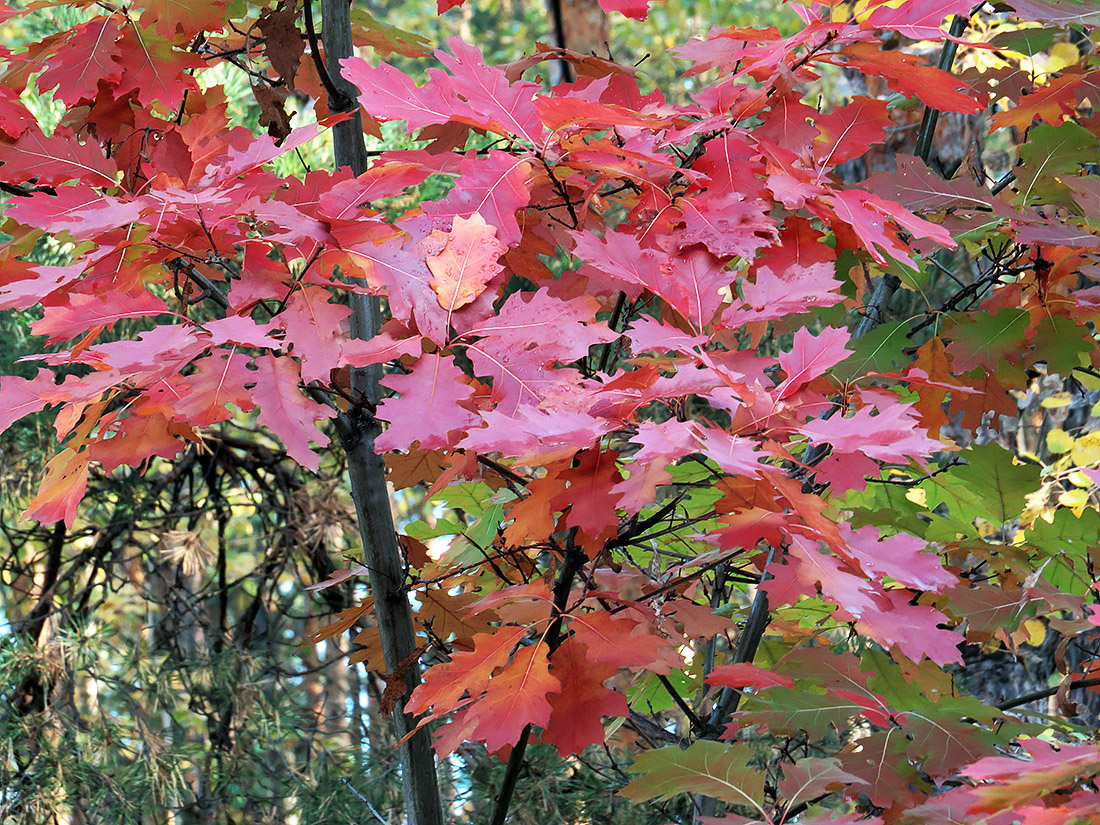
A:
(463, 261)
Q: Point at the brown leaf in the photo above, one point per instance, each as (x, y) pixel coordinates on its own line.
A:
(283, 43)
(416, 552)
(395, 684)
(272, 113)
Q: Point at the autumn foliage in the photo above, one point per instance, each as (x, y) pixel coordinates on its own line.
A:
(734, 438)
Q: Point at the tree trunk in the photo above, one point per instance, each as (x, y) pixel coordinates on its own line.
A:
(358, 429)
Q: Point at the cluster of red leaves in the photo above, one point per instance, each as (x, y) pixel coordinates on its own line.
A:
(658, 244)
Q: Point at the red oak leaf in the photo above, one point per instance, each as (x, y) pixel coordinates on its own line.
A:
(61, 489)
(389, 94)
(85, 59)
(20, 397)
(918, 21)
(15, 119)
(519, 347)
(637, 9)
(892, 435)
(493, 186)
(849, 131)
(805, 568)
(489, 97)
(286, 412)
(444, 684)
(312, 329)
(576, 710)
(589, 496)
(727, 225)
(137, 438)
(810, 357)
(515, 697)
(901, 557)
(662, 444)
(153, 69)
(908, 74)
(746, 675)
(463, 261)
(56, 159)
(201, 398)
(430, 409)
(188, 16)
(913, 628)
(84, 312)
(1014, 781)
(868, 215)
(620, 641)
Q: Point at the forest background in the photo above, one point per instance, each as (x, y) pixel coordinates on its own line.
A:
(177, 647)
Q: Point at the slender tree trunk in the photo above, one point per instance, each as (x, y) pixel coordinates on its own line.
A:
(358, 429)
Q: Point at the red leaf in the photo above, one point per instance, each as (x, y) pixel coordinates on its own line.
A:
(430, 409)
(285, 411)
(892, 435)
(868, 214)
(620, 641)
(154, 70)
(908, 74)
(515, 697)
(84, 312)
(810, 357)
(56, 159)
(576, 710)
(727, 225)
(913, 628)
(86, 58)
(137, 438)
(901, 557)
(444, 684)
(201, 398)
(20, 397)
(848, 132)
(61, 489)
(493, 186)
(637, 9)
(746, 675)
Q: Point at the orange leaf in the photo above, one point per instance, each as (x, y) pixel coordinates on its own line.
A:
(464, 260)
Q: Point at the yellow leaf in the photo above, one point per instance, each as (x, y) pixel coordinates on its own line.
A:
(1062, 55)
(1058, 399)
(1036, 632)
(1059, 441)
(1079, 479)
(1074, 498)
(918, 496)
(1086, 450)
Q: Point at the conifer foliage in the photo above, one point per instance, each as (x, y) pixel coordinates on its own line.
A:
(729, 438)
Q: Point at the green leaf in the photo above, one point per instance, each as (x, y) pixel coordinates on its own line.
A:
(984, 339)
(710, 768)
(1061, 343)
(1052, 152)
(880, 350)
(1029, 41)
(989, 486)
(649, 694)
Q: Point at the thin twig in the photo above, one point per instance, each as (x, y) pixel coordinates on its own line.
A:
(338, 100)
(1044, 693)
(364, 800)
